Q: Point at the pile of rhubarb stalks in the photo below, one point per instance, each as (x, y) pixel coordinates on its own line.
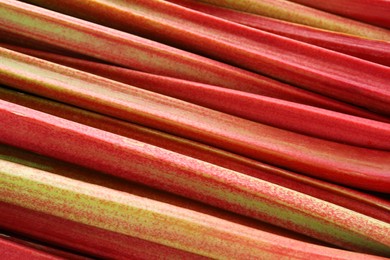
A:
(184, 129)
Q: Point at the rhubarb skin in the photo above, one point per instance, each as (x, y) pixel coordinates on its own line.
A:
(195, 179)
(74, 236)
(23, 157)
(297, 13)
(315, 69)
(152, 220)
(375, 12)
(34, 248)
(134, 52)
(372, 50)
(348, 198)
(96, 242)
(12, 250)
(354, 166)
(321, 123)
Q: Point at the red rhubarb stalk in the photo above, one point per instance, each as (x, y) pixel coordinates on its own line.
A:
(195, 92)
(192, 178)
(370, 11)
(97, 242)
(372, 50)
(316, 69)
(32, 249)
(76, 172)
(12, 250)
(152, 220)
(297, 13)
(348, 198)
(142, 54)
(321, 123)
(320, 70)
(349, 165)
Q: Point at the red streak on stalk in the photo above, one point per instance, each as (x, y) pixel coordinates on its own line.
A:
(12, 250)
(316, 69)
(371, 50)
(375, 12)
(49, 250)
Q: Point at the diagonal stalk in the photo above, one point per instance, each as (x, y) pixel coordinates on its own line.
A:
(374, 11)
(321, 123)
(316, 69)
(372, 50)
(339, 195)
(348, 165)
(12, 250)
(192, 178)
(144, 218)
(297, 13)
(141, 54)
(23, 157)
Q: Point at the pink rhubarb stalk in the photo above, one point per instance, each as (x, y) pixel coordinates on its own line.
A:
(349, 165)
(146, 219)
(316, 69)
(185, 176)
(372, 50)
(321, 123)
(297, 13)
(348, 198)
(142, 54)
(370, 11)
(76, 172)
(211, 96)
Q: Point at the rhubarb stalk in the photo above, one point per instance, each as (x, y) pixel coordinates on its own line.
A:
(144, 218)
(372, 50)
(348, 165)
(12, 250)
(141, 54)
(192, 178)
(321, 123)
(297, 13)
(348, 198)
(374, 11)
(316, 69)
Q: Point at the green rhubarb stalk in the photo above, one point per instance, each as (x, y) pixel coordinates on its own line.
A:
(147, 219)
(185, 176)
(348, 198)
(296, 13)
(316, 69)
(348, 165)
